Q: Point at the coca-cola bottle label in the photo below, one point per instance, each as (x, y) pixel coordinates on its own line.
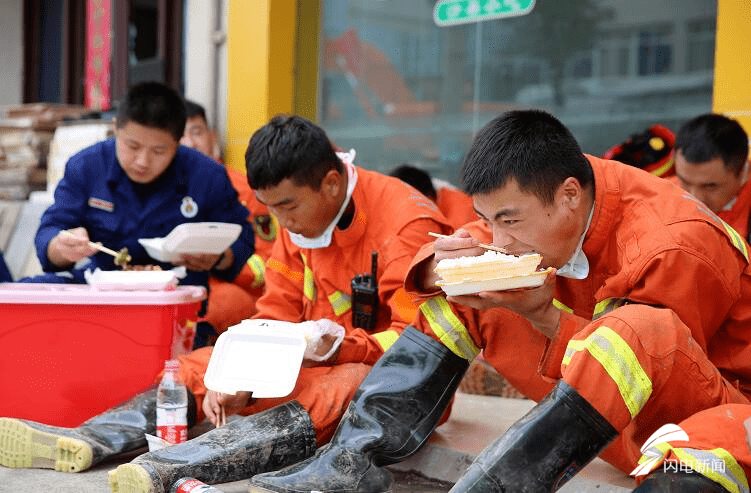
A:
(172, 424)
(192, 485)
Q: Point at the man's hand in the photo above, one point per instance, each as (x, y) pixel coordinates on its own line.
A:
(66, 249)
(206, 261)
(461, 244)
(214, 401)
(534, 304)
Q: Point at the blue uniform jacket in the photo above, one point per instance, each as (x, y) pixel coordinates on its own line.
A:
(97, 194)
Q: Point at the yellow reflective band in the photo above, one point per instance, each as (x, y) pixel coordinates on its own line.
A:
(718, 465)
(607, 305)
(562, 307)
(662, 169)
(258, 267)
(736, 239)
(340, 302)
(620, 362)
(308, 283)
(449, 329)
(284, 270)
(387, 338)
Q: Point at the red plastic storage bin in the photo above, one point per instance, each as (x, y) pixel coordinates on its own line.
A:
(71, 352)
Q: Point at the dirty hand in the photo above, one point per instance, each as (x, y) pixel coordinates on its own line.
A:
(66, 249)
(534, 304)
(460, 244)
(213, 402)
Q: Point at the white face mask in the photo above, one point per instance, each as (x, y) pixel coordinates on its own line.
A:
(324, 239)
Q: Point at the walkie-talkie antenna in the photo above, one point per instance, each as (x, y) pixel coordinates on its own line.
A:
(373, 267)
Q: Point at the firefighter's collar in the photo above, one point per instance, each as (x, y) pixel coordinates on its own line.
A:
(577, 266)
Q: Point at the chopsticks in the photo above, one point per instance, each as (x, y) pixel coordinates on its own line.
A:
(120, 257)
(222, 416)
(482, 245)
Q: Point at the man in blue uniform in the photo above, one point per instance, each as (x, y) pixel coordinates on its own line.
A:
(141, 184)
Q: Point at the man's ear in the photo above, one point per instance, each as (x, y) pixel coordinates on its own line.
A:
(570, 193)
(332, 184)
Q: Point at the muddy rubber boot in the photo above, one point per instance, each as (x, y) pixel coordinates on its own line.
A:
(266, 441)
(392, 414)
(678, 482)
(120, 429)
(543, 449)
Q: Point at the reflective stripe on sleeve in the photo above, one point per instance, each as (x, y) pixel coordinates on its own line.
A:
(308, 283)
(449, 329)
(387, 338)
(620, 363)
(716, 464)
(736, 239)
(607, 305)
(562, 307)
(340, 302)
(258, 267)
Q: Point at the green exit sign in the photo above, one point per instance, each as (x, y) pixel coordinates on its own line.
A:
(453, 12)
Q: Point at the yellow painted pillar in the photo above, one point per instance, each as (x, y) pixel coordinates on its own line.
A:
(261, 44)
(732, 76)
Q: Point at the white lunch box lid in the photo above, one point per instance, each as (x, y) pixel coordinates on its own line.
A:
(258, 356)
(206, 237)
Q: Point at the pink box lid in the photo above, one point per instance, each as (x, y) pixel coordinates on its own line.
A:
(81, 294)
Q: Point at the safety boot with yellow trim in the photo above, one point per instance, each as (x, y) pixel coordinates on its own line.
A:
(27, 444)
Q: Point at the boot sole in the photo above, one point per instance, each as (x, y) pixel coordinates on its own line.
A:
(130, 478)
(22, 446)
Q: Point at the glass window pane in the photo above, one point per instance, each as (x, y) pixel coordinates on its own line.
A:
(398, 88)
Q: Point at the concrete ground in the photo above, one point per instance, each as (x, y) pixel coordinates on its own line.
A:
(475, 422)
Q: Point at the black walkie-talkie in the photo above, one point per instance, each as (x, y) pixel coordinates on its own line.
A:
(365, 297)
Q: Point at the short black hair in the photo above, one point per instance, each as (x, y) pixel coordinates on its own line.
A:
(418, 178)
(152, 104)
(529, 146)
(711, 135)
(193, 109)
(290, 147)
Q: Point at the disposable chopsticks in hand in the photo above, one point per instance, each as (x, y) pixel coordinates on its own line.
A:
(121, 257)
(482, 245)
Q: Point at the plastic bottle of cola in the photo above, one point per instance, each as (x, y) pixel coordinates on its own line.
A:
(172, 405)
(192, 485)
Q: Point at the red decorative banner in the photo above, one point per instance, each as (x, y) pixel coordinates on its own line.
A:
(98, 52)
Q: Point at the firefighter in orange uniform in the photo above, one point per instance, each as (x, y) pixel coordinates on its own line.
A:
(335, 217)
(452, 202)
(642, 321)
(711, 162)
(231, 302)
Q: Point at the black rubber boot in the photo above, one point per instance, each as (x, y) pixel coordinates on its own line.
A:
(678, 482)
(120, 429)
(543, 449)
(392, 414)
(266, 441)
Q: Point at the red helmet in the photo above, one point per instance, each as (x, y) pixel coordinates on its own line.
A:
(651, 150)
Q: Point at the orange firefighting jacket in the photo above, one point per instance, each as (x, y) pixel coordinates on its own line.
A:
(230, 303)
(649, 242)
(390, 218)
(456, 206)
